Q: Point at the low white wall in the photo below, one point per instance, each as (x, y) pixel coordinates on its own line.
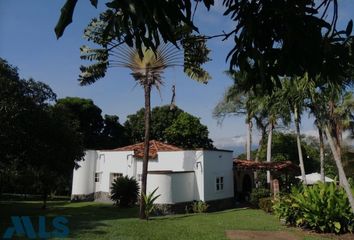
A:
(182, 187)
(173, 187)
(84, 176)
(164, 184)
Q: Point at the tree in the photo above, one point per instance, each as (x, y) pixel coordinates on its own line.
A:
(21, 102)
(161, 118)
(59, 148)
(36, 140)
(282, 150)
(87, 115)
(187, 132)
(273, 39)
(294, 93)
(274, 107)
(113, 134)
(332, 106)
(237, 102)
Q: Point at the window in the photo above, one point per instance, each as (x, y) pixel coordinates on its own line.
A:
(219, 183)
(97, 177)
(139, 177)
(116, 175)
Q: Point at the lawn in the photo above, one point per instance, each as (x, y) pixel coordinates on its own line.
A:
(103, 221)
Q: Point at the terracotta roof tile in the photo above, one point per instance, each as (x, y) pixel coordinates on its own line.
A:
(154, 148)
(273, 166)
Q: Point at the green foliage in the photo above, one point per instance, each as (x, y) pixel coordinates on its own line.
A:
(284, 149)
(161, 118)
(98, 132)
(149, 200)
(199, 207)
(86, 114)
(195, 54)
(38, 143)
(125, 191)
(321, 207)
(271, 39)
(164, 119)
(187, 132)
(266, 204)
(257, 194)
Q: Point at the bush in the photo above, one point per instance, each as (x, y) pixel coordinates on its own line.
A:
(258, 193)
(266, 204)
(149, 200)
(322, 207)
(125, 191)
(199, 207)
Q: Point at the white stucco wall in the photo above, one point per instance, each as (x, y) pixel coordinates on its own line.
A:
(217, 164)
(182, 187)
(173, 187)
(198, 184)
(109, 162)
(84, 177)
(164, 184)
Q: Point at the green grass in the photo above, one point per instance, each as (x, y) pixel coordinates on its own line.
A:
(103, 221)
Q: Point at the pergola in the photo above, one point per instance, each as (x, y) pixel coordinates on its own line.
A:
(283, 166)
(276, 168)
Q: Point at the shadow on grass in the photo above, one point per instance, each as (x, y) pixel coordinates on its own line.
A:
(83, 217)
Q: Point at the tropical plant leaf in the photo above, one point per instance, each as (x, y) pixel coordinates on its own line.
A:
(66, 17)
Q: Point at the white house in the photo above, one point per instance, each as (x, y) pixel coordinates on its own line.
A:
(182, 176)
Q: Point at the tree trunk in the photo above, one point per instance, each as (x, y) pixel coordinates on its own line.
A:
(147, 91)
(299, 150)
(45, 194)
(269, 149)
(320, 134)
(248, 142)
(260, 145)
(337, 159)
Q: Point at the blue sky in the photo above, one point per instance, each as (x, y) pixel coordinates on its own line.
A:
(27, 40)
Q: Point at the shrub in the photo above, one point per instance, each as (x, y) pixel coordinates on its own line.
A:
(258, 193)
(322, 207)
(199, 207)
(266, 204)
(149, 200)
(125, 191)
(286, 209)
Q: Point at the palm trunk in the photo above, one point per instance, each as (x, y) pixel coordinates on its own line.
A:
(269, 149)
(337, 159)
(260, 144)
(299, 150)
(248, 143)
(320, 134)
(147, 91)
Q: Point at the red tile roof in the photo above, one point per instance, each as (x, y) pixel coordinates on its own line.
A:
(154, 148)
(272, 166)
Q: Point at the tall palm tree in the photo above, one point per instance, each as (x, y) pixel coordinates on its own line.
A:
(294, 94)
(275, 108)
(236, 102)
(332, 107)
(147, 66)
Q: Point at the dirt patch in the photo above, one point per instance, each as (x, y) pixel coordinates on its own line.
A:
(263, 235)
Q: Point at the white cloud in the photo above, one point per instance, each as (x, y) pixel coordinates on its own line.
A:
(311, 133)
(234, 141)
